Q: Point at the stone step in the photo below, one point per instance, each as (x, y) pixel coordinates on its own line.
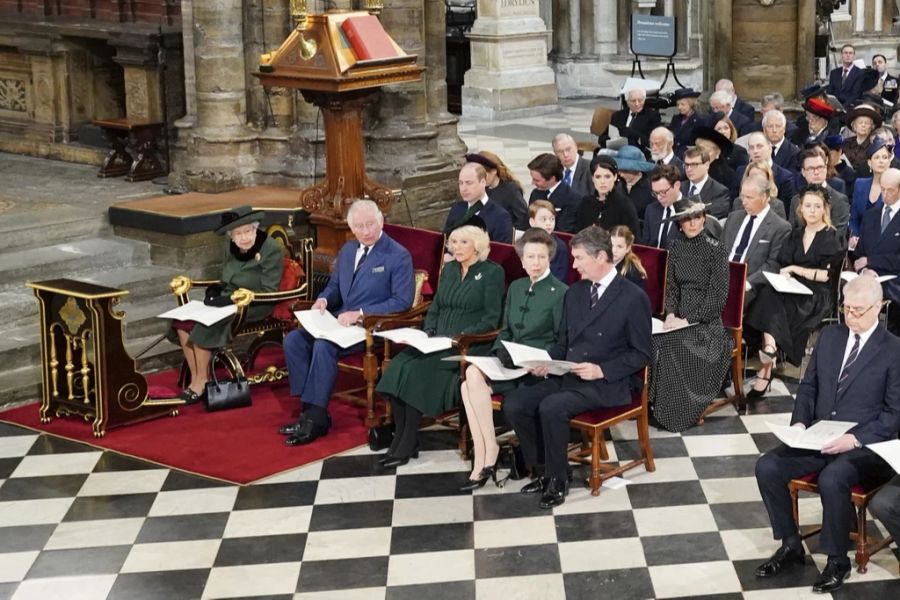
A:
(24, 383)
(69, 259)
(43, 228)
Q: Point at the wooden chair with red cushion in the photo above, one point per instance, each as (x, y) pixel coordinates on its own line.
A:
(733, 319)
(860, 495)
(593, 423)
(654, 261)
(573, 275)
(505, 256)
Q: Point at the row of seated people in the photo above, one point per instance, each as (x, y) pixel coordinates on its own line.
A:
(602, 323)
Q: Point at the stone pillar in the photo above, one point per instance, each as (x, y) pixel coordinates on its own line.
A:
(509, 76)
(449, 143)
(606, 28)
(187, 40)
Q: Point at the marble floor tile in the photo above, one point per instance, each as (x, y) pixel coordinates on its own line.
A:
(428, 567)
(347, 543)
(123, 482)
(671, 581)
(88, 534)
(252, 580)
(56, 464)
(15, 565)
(269, 521)
(189, 502)
(600, 555)
(515, 532)
(429, 511)
(735, 489)
(86, 587)
(355, 489)
(673, 520)
(171, 556)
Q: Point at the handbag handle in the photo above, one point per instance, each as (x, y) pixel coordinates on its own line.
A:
(221, 356)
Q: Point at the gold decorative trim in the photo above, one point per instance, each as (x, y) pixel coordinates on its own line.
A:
(72, 316)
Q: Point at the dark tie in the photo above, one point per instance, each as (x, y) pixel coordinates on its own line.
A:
(885, 219)
(851, 358)
(595, 294)
(693, 191)
(568, 177)
(774, 151)
(664, 228)
(362, 259)
(844, 75)
(660, 162)
(745, 240)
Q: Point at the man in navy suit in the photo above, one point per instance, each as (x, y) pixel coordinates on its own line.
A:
(547, 178)
(759, 148)
(666, 188)
(634, 122)
(605, 330)
(878, 249)
(853, 375)
(576, 170)
(744, 108)
(722, 102)
(473, 191)
(784, 153)
(845, 82)
(713, 194)
(373, 274)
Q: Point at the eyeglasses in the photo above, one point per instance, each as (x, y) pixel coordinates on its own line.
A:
(662, 193)
(814, 169)
(856, 311)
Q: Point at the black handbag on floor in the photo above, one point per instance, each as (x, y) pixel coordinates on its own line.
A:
(512, 459)
(222, 394)
(380, 437)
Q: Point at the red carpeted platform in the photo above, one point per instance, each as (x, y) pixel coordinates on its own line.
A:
(238, 446)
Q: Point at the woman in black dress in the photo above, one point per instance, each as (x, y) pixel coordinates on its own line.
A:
(719, 148)
(737, 156)
(502, 187)
(608, 206)
(689, 363)
(786, 320)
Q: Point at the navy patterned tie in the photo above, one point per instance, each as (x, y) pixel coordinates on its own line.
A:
(362, 259)
(595, 294)
(851, 358)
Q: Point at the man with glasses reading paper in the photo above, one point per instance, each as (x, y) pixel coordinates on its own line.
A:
(853, 376)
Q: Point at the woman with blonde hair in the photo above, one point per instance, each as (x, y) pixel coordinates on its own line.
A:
(469, 299)
(763, 168)
(737, 156)
(502, 187)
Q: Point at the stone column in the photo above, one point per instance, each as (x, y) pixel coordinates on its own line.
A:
(606, 28)
(509, 76)
(449, 143)
(187, 40)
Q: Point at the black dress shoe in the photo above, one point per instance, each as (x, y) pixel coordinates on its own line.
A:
(783, 559)
(307, 433)
(291, 428)
(485, 474)
(832, 578)
(535, 487)
(555, 494)
(190, 396)
(394, 462)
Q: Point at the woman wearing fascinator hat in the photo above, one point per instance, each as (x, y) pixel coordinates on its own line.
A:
(503, 187)
(253, 261)
(688, 364)
(682, 124)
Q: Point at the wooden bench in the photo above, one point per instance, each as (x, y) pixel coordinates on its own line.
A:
(133, 148)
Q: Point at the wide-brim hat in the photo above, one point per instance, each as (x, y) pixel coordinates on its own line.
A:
(241, 215)
(682, 93)
(631, 158)
(686, 208)
(819, 107)
(812, 90)
(708, 133)
(864, 110)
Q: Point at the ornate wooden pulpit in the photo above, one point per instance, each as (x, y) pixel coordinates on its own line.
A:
(86, 370)
(317, 59)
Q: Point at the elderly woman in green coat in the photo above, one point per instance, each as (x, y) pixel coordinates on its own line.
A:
(469, 299)
(252, 261)
(534, 307)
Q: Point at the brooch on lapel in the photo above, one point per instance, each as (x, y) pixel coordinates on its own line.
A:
(258, 257)
(378, 269)
(553, 289)
(478, 277)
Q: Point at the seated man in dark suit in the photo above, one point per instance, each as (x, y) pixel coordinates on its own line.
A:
(755, 234)
(845, 82)
(662, 144)
(744, 108)
(878, 249)
(605, 329)
(576, 170)
(784, 153)
(712, 193)
(853, 375)
(815, 172)
(721, 102)
(760, 148)
(547, 177)
(659, 230)
(636, 121)
(373, 274)
(473, 191)
(886, 507)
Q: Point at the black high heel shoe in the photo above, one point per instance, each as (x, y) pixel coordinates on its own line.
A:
(486, 473)
(768, 358)
(754, 393)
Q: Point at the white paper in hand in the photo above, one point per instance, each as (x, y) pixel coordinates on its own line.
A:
(198, 312)
(812, 438)
(533, 358)
(491, 367)
(889, 451)
(418, 339)
(324, 326)
(659, 326)
(786, 285)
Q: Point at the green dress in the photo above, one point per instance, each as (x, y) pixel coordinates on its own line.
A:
(470, 305)
(262, 275)
(530, 319)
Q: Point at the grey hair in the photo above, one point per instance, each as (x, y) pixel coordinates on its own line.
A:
(774, 98)
(593, 240)
(639, 91)
(722, 97)
(759, 184)
(725, 85)
(477, 236)
(774, 114)
(363, 204)
(665, 132)
(254, 224)
(865, 286)
(562, 137)
(536, 235)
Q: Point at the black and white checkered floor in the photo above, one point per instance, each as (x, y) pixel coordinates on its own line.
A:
(80, 524)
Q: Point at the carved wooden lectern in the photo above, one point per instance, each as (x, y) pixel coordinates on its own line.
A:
(86, 370)
(317, 59)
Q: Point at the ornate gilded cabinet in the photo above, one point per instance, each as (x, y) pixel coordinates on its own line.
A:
(86, 370)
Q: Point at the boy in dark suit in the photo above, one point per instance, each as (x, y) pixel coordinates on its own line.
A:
(547, 177)
(373, 274)
(605, 329)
